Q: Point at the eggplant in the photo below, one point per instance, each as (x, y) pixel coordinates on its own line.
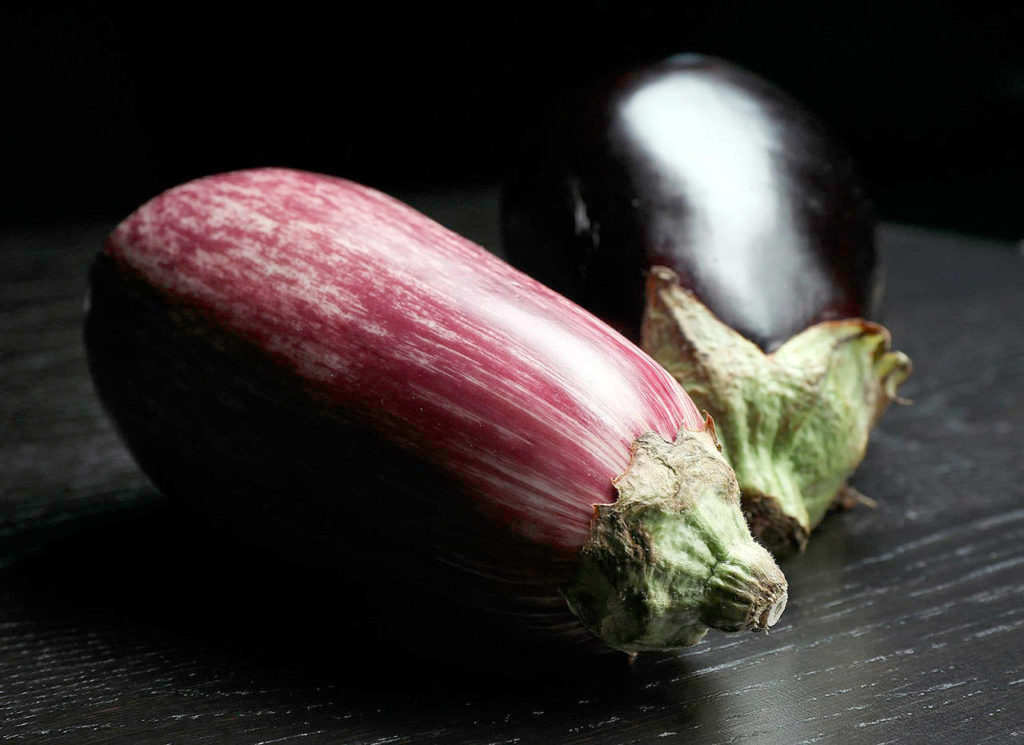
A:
(705, 214)
(341, 379)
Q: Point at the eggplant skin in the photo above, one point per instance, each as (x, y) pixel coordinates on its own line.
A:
(702, 167)
(338, 378)
(706, 215)
(217, 423)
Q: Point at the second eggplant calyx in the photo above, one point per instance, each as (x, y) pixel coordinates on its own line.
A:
(794, 424)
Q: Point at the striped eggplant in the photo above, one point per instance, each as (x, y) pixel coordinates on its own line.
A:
(340, 378)
(708, 216)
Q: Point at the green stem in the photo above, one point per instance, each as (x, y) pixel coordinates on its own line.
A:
(673, 555)
(794, 423)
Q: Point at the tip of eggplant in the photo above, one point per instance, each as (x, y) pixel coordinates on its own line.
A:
(770, 615)
(745, 592)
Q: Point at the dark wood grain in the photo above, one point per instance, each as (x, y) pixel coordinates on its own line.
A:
(123, 619)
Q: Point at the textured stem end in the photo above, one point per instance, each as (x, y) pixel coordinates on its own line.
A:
(794, 423)
(673, 556)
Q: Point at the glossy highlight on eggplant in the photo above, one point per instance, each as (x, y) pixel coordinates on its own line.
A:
(340, 378)
(700, 168)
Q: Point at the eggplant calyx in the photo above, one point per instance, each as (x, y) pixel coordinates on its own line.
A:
(795, 422)
(673, 555)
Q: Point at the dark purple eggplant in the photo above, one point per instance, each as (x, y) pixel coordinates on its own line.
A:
(704, 213)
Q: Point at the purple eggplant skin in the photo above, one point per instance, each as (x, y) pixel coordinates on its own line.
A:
(703, 167)
(340, 379)
(706, 215)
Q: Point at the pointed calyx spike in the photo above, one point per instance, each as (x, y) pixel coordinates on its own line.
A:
(673, 555)
(794, 424)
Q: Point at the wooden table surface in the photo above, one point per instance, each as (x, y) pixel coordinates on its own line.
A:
(122, 621)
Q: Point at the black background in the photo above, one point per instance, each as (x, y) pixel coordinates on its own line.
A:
(109, 104)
